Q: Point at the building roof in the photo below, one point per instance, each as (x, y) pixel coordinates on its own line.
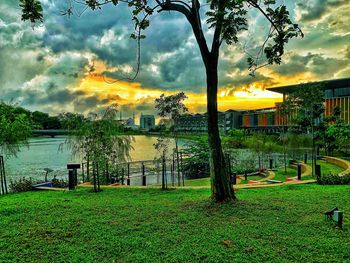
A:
(329, 84)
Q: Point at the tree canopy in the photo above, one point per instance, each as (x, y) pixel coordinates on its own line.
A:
(14, 129)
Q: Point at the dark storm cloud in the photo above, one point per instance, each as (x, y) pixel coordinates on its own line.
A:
(315, 9)
(312, 63)
(44, 65)
(91, 103)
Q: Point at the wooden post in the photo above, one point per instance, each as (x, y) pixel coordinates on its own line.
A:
(182, 171)
(234, 178)
(98, 177)
(163, 172)
(245, 176)
(75, 177)
(88, 169)
(229, 164)
(128, 168)
(271, 164)
(143, 175)
(318, 171)
(107, 173)
(82, 171)
(123, 173)
(172, 168)
(71, 183)
(2, 167)
(94, 175)
(2, 190)
(128, 171)
(158, 172)
(305, 157)
(166, 176)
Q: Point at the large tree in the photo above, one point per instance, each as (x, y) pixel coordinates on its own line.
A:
(227, 18)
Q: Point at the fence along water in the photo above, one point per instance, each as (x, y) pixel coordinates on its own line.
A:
(162, 171)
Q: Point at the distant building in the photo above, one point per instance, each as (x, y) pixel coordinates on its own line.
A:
(147, 122)
(129, 122)
(233, 120)
(262, 119)
(336, 93)
(198, 123)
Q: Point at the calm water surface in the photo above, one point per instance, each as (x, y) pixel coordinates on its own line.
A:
(44, 153)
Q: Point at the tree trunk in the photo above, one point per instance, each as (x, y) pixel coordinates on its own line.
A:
(220, 185)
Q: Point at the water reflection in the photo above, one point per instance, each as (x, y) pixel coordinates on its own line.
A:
(44, 153)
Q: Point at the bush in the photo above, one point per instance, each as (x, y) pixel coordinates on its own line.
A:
(59, 183)
(21, 185)
(194, 170)
(332, 179)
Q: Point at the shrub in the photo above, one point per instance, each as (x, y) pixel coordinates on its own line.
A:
(21, 185)
(59, 183)
(332, 179)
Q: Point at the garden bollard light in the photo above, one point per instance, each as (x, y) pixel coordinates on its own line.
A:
(71, 184)
(234, 179)
(299, 171)
(318, 171)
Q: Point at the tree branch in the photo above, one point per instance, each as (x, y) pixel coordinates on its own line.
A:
(264, 13)
(193, 18)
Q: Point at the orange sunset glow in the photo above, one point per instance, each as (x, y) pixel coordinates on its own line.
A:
(126, 93)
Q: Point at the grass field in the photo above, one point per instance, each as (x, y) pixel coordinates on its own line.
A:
(326, 168)
(281, 175)
(280, 224)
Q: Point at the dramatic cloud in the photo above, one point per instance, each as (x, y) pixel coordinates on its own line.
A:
(82, 63)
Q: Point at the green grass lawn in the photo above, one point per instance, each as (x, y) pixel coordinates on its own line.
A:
(279, 224)
(326, 168)
(253, 177)
(198, 182)
(281, 175)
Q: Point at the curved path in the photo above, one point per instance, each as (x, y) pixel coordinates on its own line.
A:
(339, 162)
(270, 175)
(305, 169)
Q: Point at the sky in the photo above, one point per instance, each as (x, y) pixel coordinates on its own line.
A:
(81, 64)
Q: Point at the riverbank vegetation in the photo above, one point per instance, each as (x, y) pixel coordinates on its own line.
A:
(172, 226)
(102, 148)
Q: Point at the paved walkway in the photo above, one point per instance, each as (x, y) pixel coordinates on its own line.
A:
(271, 175)
(306, 169)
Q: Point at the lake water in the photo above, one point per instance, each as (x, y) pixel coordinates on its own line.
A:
(44, 153)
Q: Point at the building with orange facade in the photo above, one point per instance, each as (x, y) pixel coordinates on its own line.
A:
(336, 93)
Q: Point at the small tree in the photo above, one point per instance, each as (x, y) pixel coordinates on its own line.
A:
(172, 107)
(336, 133)
(306, 103)
(227, 18)
(14, 131)
(99, 141)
